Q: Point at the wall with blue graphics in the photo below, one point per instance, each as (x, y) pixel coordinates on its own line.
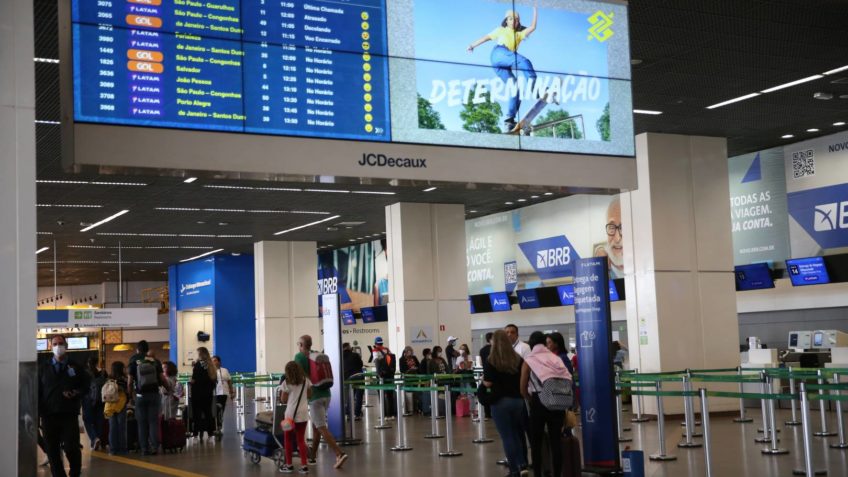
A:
(225, 283)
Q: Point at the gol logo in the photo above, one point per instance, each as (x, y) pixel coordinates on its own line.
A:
(600, 29)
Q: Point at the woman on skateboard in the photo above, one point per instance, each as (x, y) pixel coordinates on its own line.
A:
(504, 57)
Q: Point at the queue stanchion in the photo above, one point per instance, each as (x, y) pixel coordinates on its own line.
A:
(434, 412)
(365, 401)
(639, 417)
(401, 443)
(690, 416)
(824, 432)
(764, 409)
(840, 425)
(772, 449)
(381, 395)
(743, 418)
(687, 386)
(661, 455)
(621, 437)
(794, 420)
(705, 420)
(449, 450)
(350, 437)
(806, 428)
(481, 419)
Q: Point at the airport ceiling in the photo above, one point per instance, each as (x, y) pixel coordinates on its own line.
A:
(688, 54)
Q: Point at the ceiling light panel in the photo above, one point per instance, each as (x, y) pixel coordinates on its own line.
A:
(734, 100)
(792, 83)
(107, 219)
(307, 225)
(202, 255)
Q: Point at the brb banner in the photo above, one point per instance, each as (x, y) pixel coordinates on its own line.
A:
(595, 367)
(539, 245)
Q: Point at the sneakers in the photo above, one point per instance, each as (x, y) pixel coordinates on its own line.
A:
(340, 460)
(311, 461)
(286, 469)
(509, 125)
(303, 470)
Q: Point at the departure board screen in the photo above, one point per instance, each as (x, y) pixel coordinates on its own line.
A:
(538, 75)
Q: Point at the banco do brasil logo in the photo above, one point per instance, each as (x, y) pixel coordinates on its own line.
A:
(601, 28)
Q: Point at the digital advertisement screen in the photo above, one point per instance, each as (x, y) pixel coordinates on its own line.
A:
(753, 277)
(77, 342)
(528, 299)
(500, 301)
(566, 295)
(613, 291)
(348, 317)
(41, 344)
(538, 76)
(807, 271)
(375, 314)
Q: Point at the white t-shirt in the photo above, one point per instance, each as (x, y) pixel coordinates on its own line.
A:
(522, 348)
(222, 388)
(302, 412)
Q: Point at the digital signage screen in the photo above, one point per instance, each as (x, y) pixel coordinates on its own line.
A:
(753, 277)
(348, 317)
(41, 344)
(476, 73)
(500, 301)
(374, 314)
(78, 342)
(528, 299)
(807, 271)
(566, 295)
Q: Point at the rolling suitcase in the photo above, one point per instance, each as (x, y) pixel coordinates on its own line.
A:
(172, 433)
(132, 432)
(463, 407)
(571, 459)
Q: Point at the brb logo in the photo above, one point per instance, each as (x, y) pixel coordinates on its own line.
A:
(551, 257)
(600, 29)
(328, 286)
(829, 217)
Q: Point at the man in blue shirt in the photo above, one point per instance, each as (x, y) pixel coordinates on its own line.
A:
(62, 384)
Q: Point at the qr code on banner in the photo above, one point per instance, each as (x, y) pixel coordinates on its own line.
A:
(804, 163)
(510, 272)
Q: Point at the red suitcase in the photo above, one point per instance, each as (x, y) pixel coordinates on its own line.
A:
(172, 433)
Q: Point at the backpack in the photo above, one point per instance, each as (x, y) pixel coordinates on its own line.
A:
(555, 393)
(386, 366)
(94, 390)
(110, 391)
(146, 374)
(320, 371)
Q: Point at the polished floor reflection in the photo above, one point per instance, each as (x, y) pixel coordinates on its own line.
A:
(734, 453)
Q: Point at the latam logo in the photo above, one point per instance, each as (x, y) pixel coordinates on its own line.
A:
(192, 288)
(822, 213)
(551, 257)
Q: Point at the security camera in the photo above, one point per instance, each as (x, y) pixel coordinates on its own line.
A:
(60, 223)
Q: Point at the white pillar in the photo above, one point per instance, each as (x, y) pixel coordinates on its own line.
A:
(428, 288)
(18, 377)
(681, 297)
(286, 301)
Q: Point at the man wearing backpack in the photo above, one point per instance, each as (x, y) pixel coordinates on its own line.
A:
(319, 403)
(145, 378)
(385, 365)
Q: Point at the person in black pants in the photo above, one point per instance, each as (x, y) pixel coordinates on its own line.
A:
(484, 357)
(203, 381)
(539, 366)
(62, 384)
(351, 366)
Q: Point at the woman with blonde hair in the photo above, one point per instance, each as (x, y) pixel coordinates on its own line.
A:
(203, 381)
(296, 391)
(502, 378)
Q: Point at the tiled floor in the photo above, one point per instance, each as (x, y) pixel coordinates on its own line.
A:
(734, 453)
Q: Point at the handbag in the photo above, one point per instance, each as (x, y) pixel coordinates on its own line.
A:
(484, 395)
(288, 423)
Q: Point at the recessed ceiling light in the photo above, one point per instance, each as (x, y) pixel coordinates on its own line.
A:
(202, 255)
(813, 130)
(307, 225)
(44, 121)
(734, 100)
(534, 196)
(190, 180)
(45, 60)
(840, 123)
(429, 189)
(200, 222)
(792, 83)
(646, 111)
(508, 203)
(351, 240)
(836, 70)
(107, 219)
(472, 211)
(522, 200)
(42, 249)
(787, 136)
(374, 192)
(332, 191)
(549, 193)
(635, 61)
(222, 224)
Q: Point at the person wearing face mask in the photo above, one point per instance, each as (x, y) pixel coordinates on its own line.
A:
(62, 383)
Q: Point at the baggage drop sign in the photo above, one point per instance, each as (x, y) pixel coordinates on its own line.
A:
(595, 366)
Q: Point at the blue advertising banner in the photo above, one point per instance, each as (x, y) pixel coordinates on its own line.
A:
(595, 367)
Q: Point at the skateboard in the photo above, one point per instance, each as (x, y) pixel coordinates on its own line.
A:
(523, 126)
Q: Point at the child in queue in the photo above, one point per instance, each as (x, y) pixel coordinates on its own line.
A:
(296, 390)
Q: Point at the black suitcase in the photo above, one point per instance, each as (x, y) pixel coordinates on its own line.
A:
(571, 456)
(132, 433)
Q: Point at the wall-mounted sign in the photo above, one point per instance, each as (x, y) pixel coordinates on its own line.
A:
(99, 318)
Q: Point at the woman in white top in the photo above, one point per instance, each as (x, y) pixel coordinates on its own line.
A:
(223, 389)
(296, 390)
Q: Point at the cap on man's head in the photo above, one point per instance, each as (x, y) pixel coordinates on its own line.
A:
(451, 339)
(378, 340)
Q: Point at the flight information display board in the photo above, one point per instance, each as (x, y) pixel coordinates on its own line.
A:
(525, 75)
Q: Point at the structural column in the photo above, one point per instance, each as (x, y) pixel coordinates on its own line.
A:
(681, 298)
(428, 290)
(286, 301)
(18, 376)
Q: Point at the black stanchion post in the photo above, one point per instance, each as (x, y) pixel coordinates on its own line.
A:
(794, 420)
(449, 450)
(401, 444)
(434, 412)
(840, 425)
(705, 419)
(661, 455)
(742, 417)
